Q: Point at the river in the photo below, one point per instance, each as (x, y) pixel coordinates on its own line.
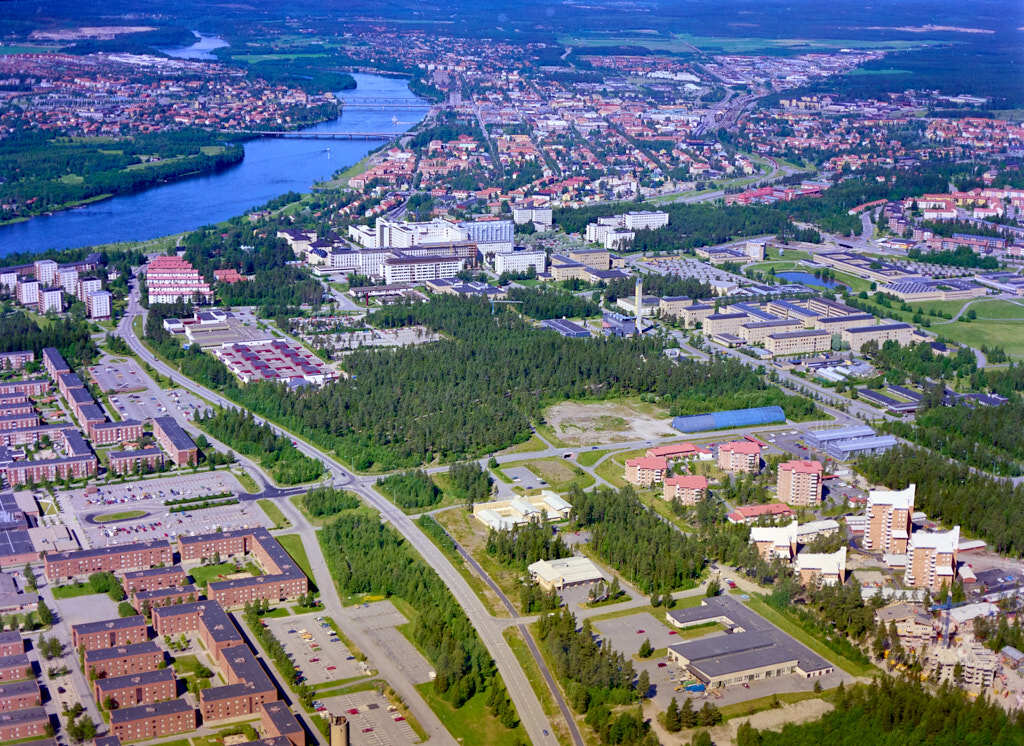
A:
(272, 166)
(204, 45)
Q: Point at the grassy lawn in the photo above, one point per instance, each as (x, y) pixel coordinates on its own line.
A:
(856, 284)
(533, 444)
(217, 739)
(247, 482)
(751, 706)
(548, 433)
(186, 665)
(611, 471)
(292, 544)
(589, 458)
(997, 333)
(795, 630)
(515, 640)
(274, 513)
(123, 515)
(280, 611)
(653, 499)
(999, 309)
(71, 591)
(473, 722)
(203, 574)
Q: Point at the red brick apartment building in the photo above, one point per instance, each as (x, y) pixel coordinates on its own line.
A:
(16, 360)
(19, 695)
(283, 578)
(18, 421)
(142, 555)
(11, 643)
(110, 633)
(165, 597)
(19, 724)
(138, 688)
(128, 462)
(247, 690)
(171, 576)
(741, 456)
(26, 388)
(15, 667)
(277, 720)
(54, 362)
(173, 439)
(18, 406)
(152, 721)
(799, 483)
(123, 660)
(208, 618)
(106, 433)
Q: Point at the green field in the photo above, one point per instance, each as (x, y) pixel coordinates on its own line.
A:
(123, 515)
(274, 513)
(71, 591)
(292, 544)
(1006, 334)
(473, 722)
(204, 574)
(589, 458)
(560, 474)
(999, 309)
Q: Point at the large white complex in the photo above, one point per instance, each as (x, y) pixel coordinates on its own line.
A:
(400, 267)
(506, 514)
(520, 261)
(563, 573)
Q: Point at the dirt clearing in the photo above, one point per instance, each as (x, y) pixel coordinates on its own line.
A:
(596, 423)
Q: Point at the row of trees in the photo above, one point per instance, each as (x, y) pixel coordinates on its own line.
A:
(18, 331)
(525, 544)
(240, 430)
(323, 501)
(366, 556)
(276, 650)
(551, 303)
(411, 489)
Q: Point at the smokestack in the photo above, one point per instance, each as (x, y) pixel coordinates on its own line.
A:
(638, 301)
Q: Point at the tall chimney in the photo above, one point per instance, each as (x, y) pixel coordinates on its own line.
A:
(638, 302)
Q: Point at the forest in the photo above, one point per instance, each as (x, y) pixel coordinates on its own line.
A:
(470, 483)
(239, 430)
(661, 285)
(961, 256)
(551, 303)
(478, 390)
(647, 550)
(323, 501)
(411, 489)
(40, 173)
(692, 225)
(523, 545)
(366, 556)
(18, 331)
(949, 491)
(891, 711)
(984, 437)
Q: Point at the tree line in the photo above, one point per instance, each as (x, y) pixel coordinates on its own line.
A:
(551, 303)
(366, 556)
(18, 331)
(411, 489)
(323, 501)
(525, 544)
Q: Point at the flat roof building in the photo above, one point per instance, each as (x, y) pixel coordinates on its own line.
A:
(141, 555)
(564, 573)
(173, 439)
(506, 514)
(109, 633)
(824, 569)
(153, 721)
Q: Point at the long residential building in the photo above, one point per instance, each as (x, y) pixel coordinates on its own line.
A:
(123, 660)
(137, 689)
(175, 441)
(170, 279)
(143, 555)
(858, 336)
(147, 722)
(109, 633)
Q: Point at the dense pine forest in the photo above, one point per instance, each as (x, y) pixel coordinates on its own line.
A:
(18, 331)
(951, 492)
(478, 390)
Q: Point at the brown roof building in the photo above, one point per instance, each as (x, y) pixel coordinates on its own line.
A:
(15, 667)
(277, 720)
(171, 576)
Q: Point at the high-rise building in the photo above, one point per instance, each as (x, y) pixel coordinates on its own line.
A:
(888, 514)
(931, 559)
(51, 299)
(799, 482)
(46, 272)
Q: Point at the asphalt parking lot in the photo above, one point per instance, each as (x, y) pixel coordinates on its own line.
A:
(379, 619)
(114, 377)
(523, 477)
(321, 658)
(156, 402)
(96, 607)
(158, 522)
(373, 721)
(626, 634)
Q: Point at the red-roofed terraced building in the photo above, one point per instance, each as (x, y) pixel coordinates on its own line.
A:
(670, 453)
(751, 513)
(170, 279)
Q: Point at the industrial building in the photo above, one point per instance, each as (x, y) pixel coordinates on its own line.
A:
(564, 573)
(754, 650)
(506, 514)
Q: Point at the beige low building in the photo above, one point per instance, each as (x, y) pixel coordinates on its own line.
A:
(836, 324)
(695, 314)
(674, 305)
(824, 569)
(859, 336)
(506, 514)
(728, 322)
(755, 332)
(914, 627)
(802, 342)
(565, 573)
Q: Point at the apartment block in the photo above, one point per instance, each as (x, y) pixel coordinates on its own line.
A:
(171, 576)
(822, 569)
(175, 441)
(110, 633)
(248, 687)
(739, 456)
(28, 292)
(16, 360)
(888, 514)
(645, 471)
(756, 332)
(802, 342)
(11, 643)
(15, 667)
(931, 559)
(137, 689)
(108, 433)
(20, 724)
(170, 279)
(123, 659)
(98, 304)
(859, 336)
(143, 600)
(696, 314)
(800, 482)
(50, 300)
(19, 695)
(277, 720)
(688, 489)
(725, 323)
(142, 555)
(153, 721)
(87, 286)
(138, 461)
(208, 618)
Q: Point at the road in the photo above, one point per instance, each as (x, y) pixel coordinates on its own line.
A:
(527, 704)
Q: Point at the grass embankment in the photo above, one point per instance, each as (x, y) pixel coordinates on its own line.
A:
(274, 513)
(515, 640)
(472, 536)
(73, 590)
(123, 515)
(292, 544)
(473, 722)
(443, 542)
(753, 706)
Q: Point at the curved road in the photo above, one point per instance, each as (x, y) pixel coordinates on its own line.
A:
(528, 705)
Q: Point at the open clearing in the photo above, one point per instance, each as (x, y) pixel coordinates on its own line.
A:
(596, 423)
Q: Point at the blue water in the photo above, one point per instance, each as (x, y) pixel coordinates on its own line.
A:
(806, 278)
(272, 166)
(205, 44)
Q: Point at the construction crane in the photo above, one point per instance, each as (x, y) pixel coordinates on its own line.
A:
(493, 301)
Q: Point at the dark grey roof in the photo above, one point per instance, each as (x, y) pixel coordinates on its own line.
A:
(845, 319)
(14, 688)
(126, 622)
(70, 380)
(154, 572)
(9, 636)
(135, 679)
(121, 651)
(164, 592)
(55, 359)
(178, 437)
(129, 714)
(760, 643)
(800, 333)
(271, 741)
(140, 453)
(28, 715)
(106, 551)
(102, 741)
(880, 327)
(15, 541)
(216, 620)
(79, 395)
(12, 661)
(282, 718)
(122, 423)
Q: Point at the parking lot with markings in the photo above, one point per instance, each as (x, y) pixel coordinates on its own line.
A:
(373, 721)
(316, 651)
(380, 620)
